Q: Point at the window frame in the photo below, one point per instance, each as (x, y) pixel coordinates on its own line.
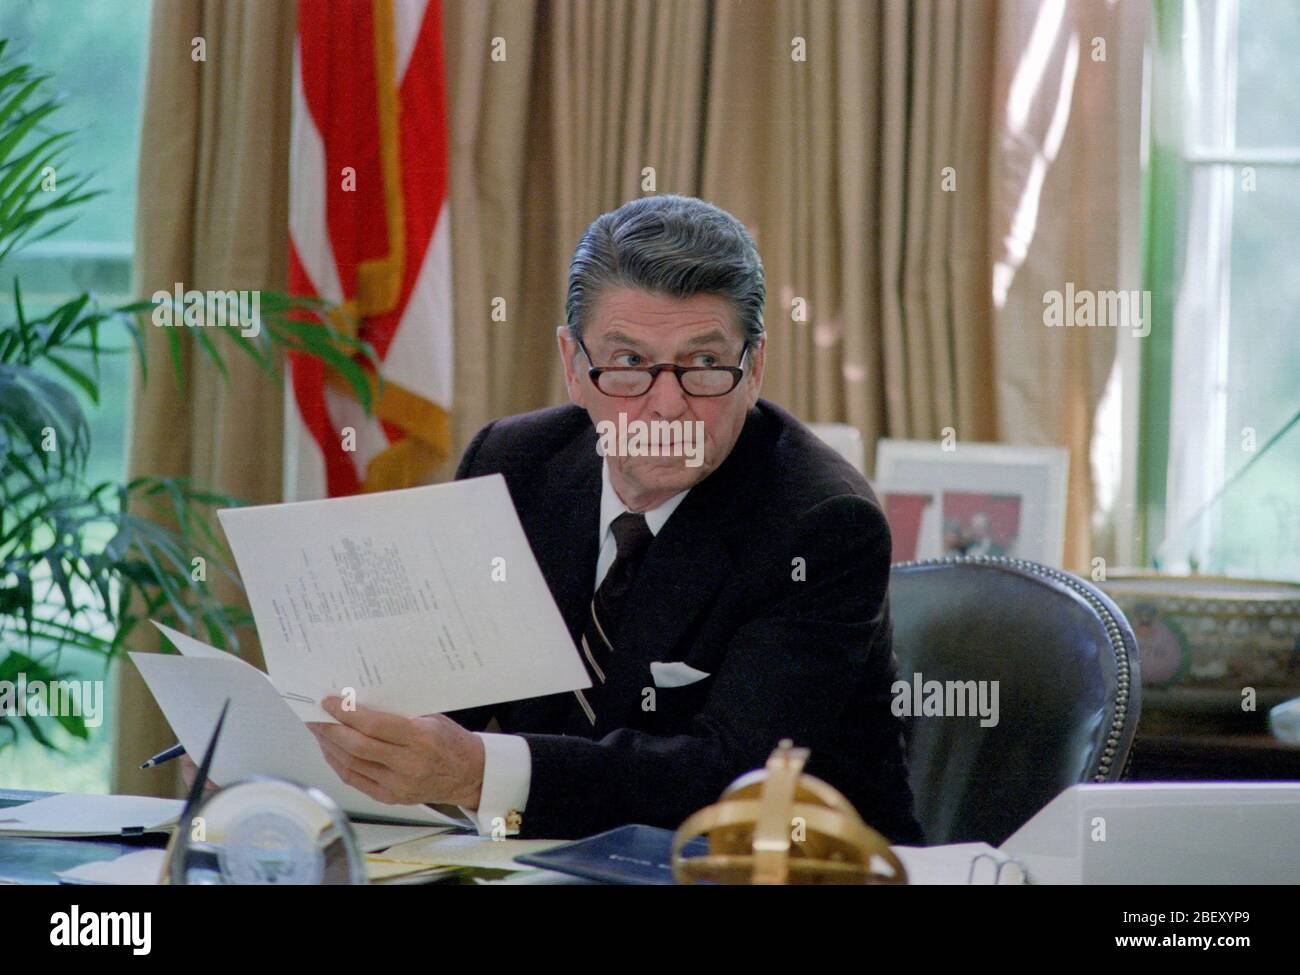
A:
(1173, 160)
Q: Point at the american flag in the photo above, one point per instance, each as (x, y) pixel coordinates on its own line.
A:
(369, 230)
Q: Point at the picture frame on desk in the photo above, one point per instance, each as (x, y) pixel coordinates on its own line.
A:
(973, 499)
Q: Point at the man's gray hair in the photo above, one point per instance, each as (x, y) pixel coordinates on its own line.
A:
(675, 245)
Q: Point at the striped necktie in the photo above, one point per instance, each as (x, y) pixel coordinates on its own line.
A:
(600, 632)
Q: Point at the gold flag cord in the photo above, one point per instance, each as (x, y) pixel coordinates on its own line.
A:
(426, 425)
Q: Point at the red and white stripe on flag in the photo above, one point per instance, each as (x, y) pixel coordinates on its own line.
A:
(369, 230)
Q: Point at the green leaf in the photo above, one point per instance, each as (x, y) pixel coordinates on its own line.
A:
(76, 375)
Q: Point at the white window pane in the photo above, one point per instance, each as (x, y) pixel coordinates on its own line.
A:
(1260, 531)
(94, 53)
(1268, 74)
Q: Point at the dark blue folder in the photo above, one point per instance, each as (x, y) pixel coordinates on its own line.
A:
(626, 855)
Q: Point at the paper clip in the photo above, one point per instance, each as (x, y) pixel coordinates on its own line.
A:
(998, 867)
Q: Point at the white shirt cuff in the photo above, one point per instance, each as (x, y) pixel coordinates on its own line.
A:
(507, 776)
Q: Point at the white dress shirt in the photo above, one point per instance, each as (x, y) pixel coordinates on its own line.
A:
(507, 763)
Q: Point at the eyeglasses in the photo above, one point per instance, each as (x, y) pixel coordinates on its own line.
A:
(628, 381)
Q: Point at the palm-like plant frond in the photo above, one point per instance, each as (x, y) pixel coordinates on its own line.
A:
(81, 565)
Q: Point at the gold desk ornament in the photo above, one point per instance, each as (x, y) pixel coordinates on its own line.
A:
(776, 825)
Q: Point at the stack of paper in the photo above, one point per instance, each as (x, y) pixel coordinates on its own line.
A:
(74, 814)
(144, 866)
(422, 860)
(373, 837)
(459, 850)
(412, 602)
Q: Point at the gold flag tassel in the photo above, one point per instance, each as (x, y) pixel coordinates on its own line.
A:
(426, 426)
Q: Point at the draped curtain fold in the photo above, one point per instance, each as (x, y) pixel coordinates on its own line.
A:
(580, 100)
(865, 144)
(1065, 121)
(878, 313)
(212, 213)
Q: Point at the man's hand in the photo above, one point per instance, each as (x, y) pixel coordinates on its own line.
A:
(406, 761)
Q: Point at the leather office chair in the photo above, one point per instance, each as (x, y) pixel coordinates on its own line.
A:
(1069, 689)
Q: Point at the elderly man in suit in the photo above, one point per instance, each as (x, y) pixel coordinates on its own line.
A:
(725, 590)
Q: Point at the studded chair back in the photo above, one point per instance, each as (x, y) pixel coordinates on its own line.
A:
(1056, 690)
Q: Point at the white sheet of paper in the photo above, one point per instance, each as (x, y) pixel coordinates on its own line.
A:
(261, 736)
(77, 814)
(422, 601)
(373, 837)
(137, 867)
(948, 864)
(461, 850)
(187, 646)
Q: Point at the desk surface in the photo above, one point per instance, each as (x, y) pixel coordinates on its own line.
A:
(36, 860)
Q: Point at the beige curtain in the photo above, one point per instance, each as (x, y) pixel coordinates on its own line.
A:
(853, 139)
(792, 115)
(212, 213)
(589, 97)
(1063, 208)
(866, 146)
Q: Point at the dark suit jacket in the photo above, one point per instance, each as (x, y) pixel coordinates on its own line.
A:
(800, 653)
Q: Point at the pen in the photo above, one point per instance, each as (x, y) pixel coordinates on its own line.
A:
(176, 751)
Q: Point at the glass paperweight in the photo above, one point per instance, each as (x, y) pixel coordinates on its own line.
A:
(267, 831)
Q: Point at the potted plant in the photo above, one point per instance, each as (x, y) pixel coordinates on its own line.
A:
(82, 564)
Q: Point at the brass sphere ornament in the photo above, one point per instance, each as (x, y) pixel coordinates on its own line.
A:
(776, 825)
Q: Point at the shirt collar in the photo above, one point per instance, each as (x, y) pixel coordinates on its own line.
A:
(611, 506)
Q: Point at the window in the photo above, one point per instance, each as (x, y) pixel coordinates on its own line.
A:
(94, 52)
(1221, 375)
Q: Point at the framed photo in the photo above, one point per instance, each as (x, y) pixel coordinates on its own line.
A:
(914, 524)
(973, 499)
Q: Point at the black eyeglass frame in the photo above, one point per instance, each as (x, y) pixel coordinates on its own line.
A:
(737, 374)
